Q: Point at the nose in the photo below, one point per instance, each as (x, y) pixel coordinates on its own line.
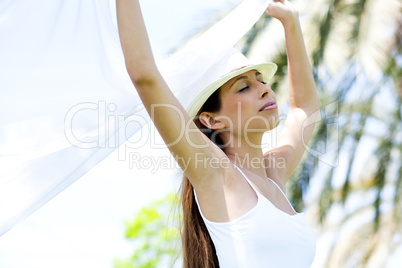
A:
(265, 91)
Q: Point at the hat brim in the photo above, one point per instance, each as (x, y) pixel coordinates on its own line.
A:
(266, 69)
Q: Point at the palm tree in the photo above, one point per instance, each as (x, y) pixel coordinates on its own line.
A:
(356, 153)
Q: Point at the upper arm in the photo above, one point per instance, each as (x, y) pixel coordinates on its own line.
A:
(292, 142)
(185, 141)
(193, 151)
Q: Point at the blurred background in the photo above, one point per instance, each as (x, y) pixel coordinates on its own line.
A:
(349, 184)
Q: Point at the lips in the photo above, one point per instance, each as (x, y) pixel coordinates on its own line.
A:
(269, 106)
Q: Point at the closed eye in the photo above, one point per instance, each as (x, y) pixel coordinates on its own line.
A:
(244, 89)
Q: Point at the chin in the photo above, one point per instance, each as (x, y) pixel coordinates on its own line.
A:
(273, 121)
(277, 120)
(263, 124)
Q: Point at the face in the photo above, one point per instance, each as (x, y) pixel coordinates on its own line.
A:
(248, 104)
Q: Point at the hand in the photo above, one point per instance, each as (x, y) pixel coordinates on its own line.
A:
(282, 10)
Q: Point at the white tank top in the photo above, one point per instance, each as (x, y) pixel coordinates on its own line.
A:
(263, 237)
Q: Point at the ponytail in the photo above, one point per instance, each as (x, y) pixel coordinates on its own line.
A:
(198, 248)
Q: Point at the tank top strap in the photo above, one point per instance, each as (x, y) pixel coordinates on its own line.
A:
(283, 194)
(248, 181)
(258, 193)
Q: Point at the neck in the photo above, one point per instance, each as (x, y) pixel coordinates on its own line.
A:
(246, 153)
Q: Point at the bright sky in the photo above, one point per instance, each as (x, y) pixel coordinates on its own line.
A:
(84, 225)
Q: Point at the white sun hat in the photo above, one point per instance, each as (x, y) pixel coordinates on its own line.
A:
(231, 65)
(209, 61)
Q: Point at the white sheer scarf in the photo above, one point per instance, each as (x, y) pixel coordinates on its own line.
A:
(66, 101)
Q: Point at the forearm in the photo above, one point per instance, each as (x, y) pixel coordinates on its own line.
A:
(302, 91)
(142, 69)
(134, 40)
(303, 99)
(183, 138)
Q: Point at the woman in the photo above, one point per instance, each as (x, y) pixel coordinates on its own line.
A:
(235, 213)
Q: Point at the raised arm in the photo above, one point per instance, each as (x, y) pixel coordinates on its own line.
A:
(170, 118)
(303, 100)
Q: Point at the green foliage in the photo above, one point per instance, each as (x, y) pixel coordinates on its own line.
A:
(155, 235)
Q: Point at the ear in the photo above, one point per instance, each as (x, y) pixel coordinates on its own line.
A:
(208, 120)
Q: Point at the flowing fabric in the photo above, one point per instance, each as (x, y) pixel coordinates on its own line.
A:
(66, 101)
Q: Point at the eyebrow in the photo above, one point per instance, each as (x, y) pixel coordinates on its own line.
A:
(244, 77)
(237, 79)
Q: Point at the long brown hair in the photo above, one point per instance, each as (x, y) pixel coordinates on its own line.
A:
(197, 246)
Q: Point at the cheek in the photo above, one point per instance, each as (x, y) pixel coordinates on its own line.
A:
(232, 112)
(231, 105)
(272, 94)
(241, 102)
(243, 113)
